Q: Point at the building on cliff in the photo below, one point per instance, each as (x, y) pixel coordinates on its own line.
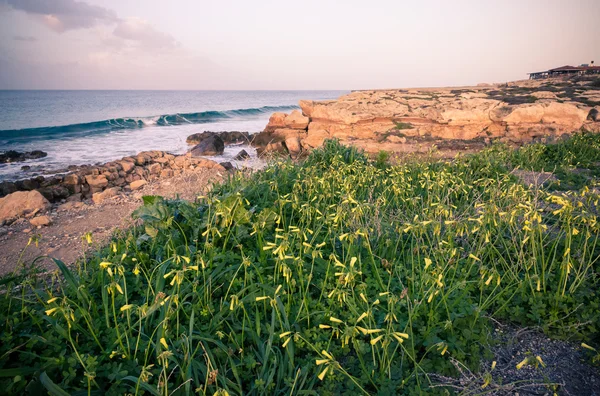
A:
(566, 70)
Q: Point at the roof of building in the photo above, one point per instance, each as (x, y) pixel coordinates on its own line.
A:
(569, 68)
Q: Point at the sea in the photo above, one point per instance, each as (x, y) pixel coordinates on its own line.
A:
(93, 127)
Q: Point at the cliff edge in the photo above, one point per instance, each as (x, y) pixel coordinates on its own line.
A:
(409, 120)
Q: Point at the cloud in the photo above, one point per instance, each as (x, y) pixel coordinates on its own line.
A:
(63, 15)
(24, 38)
(141, 32)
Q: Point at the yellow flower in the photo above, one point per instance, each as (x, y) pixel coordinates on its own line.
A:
(427, 262)
(523, 363)
(322, 375)
(126, 307)
(51, 311)
(163, 342)
(335, 320)
(376, 340)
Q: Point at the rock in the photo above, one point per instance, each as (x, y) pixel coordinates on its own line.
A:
(226, 165)
(242, 155)
(166, 173)
(100, 197)
(227, 137)
(96, 181)
(22, 203)
(293, 146)
(25, 167)
(40, 221)
(136, 185)
(126, 166)
(70, 205)
(272, 148)
(212, 145)
(508, 112)
(294, 120)
(7, 188)
(71, 179)
(154, 169)
(15, 156)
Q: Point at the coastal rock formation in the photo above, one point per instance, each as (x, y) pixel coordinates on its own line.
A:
(393, 120)
(211, 145)
(21, 203)
(15, 156)
(232, 137)
(128, 173)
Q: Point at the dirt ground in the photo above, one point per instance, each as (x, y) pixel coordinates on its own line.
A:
(565, 367)
(63, 239)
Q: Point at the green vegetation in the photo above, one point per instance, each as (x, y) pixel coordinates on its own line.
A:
(575, 161)
(403, 125)
(329, 277)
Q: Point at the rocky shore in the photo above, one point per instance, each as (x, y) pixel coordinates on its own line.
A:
(414, 120)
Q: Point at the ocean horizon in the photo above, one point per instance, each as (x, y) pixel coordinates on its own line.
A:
(77, 127)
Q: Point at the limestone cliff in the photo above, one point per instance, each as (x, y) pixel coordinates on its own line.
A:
(393, 120)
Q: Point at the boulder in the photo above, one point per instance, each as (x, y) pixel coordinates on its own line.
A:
(100, 197)
(16, 156)
(232, 137)
(136, 185)
(242, 155)
(272, 148)
(593, 115)
(41, 221)
(293, 146)
(294, 120)
(96, 181)
(227, 165)
(212, 145)
(22, 203)
(126, 166)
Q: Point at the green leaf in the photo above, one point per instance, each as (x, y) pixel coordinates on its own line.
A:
(13, 372)
(51, 387)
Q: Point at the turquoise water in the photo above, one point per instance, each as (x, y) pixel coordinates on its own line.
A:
(86, 127)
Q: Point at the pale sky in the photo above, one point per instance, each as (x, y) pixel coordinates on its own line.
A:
(280, 44)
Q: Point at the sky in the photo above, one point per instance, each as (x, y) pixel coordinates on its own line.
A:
(280, 44)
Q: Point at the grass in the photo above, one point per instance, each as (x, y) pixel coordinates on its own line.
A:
(332, 276)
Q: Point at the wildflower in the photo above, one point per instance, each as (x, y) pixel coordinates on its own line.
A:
(376, 340)
(335, 320)
(51, 311)
(163, 342)
(427, 262)
(126, 307)
(523, 363)
(322, 375)
(539, 359)
(586, 346)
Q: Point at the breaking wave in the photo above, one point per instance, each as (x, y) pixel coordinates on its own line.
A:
(55, 132)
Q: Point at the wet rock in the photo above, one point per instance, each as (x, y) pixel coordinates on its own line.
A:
(7, 188)
(242, 155)
(16, 156)
(22, 203)
(212, 145)
(227, 165)
(227, 137)
(25, 168)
